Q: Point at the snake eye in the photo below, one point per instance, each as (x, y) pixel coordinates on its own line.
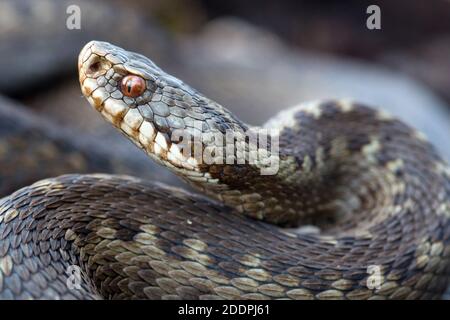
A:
(132, 86)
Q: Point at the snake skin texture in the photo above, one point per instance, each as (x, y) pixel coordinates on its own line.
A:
(376, 189)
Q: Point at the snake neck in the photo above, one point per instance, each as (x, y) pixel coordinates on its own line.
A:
(270, 183)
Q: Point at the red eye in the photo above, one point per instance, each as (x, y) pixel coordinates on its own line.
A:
(132, 86)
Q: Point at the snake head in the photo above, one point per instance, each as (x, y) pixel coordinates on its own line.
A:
(152, 108)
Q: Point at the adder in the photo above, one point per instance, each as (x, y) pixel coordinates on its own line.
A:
(375, 188)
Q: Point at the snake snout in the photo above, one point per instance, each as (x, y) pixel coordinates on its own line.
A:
(92, 63)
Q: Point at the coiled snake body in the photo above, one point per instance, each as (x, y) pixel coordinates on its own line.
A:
(376, 189)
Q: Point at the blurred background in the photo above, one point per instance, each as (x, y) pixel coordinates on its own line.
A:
(254, 57)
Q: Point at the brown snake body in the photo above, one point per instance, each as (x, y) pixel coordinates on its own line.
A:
(374, 186)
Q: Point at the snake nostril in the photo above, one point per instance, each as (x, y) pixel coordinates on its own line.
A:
(94, 67)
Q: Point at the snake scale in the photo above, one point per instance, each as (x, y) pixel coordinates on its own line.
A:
(376, 189)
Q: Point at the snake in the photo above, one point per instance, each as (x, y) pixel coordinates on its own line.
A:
(373, 190)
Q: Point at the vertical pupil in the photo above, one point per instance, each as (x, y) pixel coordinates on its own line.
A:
(132, 86)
